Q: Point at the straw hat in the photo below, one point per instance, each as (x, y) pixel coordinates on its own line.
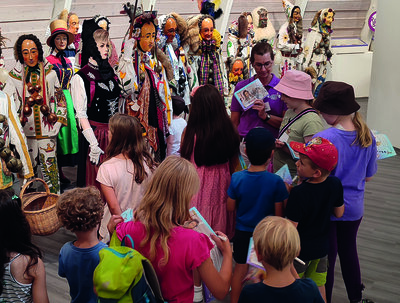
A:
(59, 26)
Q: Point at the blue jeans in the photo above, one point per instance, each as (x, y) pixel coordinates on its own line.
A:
(343, 241)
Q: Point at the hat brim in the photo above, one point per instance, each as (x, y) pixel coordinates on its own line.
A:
(298, 147)
(294, 92)
(70, 36)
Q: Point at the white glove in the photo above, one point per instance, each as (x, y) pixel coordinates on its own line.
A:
(128, 49)
(95, 150)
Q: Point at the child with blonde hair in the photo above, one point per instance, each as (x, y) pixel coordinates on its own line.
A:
(22, 273)
(175, 251)
(126, 169)
(356, 165)
(80, 210)
(277, 243)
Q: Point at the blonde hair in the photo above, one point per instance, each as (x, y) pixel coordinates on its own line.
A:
(166, 201)
(276, 241)
(364, 137)
(101, 35)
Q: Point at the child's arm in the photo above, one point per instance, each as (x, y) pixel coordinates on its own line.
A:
(39, 291)
(111, 199)
(338, 211)
(279, 209)
(170, 142)
(218, 282)
(230, 204)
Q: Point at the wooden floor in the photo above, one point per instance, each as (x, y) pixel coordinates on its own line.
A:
(378, 242)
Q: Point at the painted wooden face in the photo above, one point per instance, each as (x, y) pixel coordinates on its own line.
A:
(328, 19)
(296, 15)
(207, 28)
(263, 18)
(103, 24)
(250, 22)
(73, 24)
(61, 41)
(30, 53)
(147, 37)
(170, 29)
(237, 68)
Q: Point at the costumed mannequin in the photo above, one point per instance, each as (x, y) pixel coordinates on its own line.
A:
(237, 72)
(73, 27)
(240, 39)
(41, 105)
(95, 92)
(144, 72)
(11, 133)
(205, 57)
(290, 39)
(59, 39)
(104, 23)
(317, 47)
(172, 29)
(262, 26)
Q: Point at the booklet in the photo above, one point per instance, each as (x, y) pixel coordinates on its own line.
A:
(253, 91)
(199, 224)
(384, 148)
(252, 256)
(284, 173)
(284, 138)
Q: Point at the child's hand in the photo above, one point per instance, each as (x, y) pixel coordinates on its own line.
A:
(223, 245)
(114, 220)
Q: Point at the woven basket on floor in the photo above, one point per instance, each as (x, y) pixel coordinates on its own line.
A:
(40, 210)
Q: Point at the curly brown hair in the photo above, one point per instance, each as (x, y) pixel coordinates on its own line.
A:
(80, 209)
(18, 47)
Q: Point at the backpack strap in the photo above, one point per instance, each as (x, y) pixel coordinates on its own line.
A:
(123, 243)
(295, 118)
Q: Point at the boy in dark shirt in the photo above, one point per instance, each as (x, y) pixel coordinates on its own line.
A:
(311, 204)
(277, 243)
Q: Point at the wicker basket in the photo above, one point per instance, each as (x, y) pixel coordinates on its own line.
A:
(40, 210)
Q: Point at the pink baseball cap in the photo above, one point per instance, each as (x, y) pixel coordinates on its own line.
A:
(321, 151)
(295, 84)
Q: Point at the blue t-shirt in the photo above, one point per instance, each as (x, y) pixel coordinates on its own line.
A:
(355, 163)
(300, 291)
(255, 194)
(77, 265)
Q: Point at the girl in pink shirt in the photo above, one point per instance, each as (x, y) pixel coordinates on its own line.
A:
(126, 169)
(175, 251)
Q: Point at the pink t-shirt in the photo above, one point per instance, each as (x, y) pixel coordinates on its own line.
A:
(188, 250)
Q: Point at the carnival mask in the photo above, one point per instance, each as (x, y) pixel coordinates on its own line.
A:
(207, 29)
(237, 68)
(328, 19)
(61, 41)
(103, 24)
(147, 37)
(296, 15)
(263, 18)
(170, 29)
(250, 22)
(73, 24)
(30, 53)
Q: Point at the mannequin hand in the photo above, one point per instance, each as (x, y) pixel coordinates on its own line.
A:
(94, 154)
(128, 48)
(55, 130)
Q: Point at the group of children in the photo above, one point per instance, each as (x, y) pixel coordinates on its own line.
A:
(332, 168)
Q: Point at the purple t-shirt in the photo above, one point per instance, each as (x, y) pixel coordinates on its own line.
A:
(249, 119)
(355, 163)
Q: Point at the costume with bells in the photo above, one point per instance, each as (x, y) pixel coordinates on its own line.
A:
(68, 136)
(262, 26)
(41, 104)
(144, 72)
(95, 92)
(317, 47)
(173, 29)
(289, 41)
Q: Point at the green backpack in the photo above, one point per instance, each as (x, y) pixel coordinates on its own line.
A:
(125, 276)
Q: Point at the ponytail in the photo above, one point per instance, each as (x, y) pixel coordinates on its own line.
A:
(364, 137)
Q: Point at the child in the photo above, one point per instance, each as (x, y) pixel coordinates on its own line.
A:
(80, 210)
(22, 273)
(277, 243)
(178, 124)
(311, 204)
(254, 193)
(356, 165)
(124, 172)
(175, 251)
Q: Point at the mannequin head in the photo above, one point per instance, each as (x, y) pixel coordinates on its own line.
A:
(237, 68)
(207, 28)
(101, 38)
(147, 36)
(170, 29)
(73, 23)
(61, 41)
(250, 22)
(102, 22)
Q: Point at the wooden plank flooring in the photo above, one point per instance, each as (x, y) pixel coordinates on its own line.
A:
(378, 241)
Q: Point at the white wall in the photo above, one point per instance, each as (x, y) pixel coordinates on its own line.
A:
(384, 102)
